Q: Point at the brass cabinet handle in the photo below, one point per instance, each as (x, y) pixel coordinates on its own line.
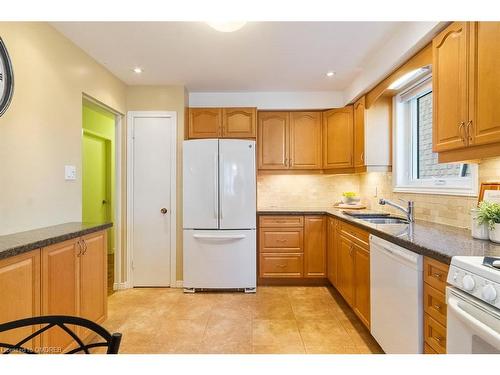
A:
(460, 128)
(437, 307)
(362, 156)
(281, 240)
(469, 126)
(437, 276)
(80, 247)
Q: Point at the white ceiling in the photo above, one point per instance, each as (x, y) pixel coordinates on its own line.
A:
(262, 56)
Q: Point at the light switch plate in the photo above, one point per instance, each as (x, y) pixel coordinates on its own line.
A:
(69, 172)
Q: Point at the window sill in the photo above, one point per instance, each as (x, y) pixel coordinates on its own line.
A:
(436, 191)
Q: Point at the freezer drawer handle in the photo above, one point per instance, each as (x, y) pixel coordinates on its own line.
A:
(494, 337)
(215, 237)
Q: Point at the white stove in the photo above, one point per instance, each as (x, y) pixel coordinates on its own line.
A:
(473, 300)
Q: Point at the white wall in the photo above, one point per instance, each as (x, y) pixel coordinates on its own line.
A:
(268, 99)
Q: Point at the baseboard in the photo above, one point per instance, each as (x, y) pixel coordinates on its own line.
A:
(178, 284)
(121, 286)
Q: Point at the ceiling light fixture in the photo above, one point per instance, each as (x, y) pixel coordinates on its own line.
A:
(407, 78)
(227, 27)
(330, 74)
(137, 70)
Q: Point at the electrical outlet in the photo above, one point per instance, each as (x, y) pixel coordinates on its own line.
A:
(69, 172)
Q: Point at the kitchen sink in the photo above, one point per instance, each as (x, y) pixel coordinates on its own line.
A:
(385, 220)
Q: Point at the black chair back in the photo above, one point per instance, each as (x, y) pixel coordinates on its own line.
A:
(103, 337)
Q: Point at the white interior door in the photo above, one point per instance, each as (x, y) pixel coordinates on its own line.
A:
(237, 184)
(151, 211)
(201, 192)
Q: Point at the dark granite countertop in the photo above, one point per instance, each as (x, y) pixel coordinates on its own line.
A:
(437, 241)
(18, 243)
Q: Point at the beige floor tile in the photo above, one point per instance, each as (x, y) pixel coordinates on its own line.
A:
(273, 308)
(323, 332)
(278, 349)
(197, 309)
(276, 332)
(332, 349)
(313, 308)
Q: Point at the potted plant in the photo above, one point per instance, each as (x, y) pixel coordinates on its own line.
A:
(350, 197)
(490, 213)
(479, 227)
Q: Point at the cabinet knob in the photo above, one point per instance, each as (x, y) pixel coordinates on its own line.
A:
(163, 210)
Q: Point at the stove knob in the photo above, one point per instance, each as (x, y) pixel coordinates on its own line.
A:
(489, 293)
(468, 283)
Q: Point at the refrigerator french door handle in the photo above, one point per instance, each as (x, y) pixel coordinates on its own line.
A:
(220, 237)
(221, 176)
(216, 186)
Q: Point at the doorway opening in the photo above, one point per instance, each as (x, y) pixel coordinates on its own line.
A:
(99, 193)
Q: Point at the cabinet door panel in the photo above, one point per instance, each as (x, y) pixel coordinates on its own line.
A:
(359, 133)
(239, 122)
(60, 286)
(449, 84)
(272, 140)
(93, 279)
(362, 284)
(20, 295)
(338, 138)
(315, 246)
(485, 83)
(205, 122)
(305, 140)
(345, 269)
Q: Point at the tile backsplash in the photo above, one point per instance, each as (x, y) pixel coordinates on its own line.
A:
(317, 191)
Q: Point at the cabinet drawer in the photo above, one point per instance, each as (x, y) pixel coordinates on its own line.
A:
(281, 221)
(281, 239)
(281, 265)
(435, 304)
(434, 334)
(356, 234)
(435, 274)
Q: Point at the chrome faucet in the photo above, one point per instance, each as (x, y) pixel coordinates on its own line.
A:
(409, 210)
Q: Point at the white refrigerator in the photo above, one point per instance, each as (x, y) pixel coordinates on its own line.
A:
(219, 196)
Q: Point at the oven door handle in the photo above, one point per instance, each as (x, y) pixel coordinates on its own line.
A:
(488, 334)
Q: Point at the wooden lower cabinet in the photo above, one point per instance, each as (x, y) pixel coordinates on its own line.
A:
(331, 243)
(60, 283)
(292, 246)
(362, 284)
(74, 282)
(434, 302)
(20, 294)
(315, 246)
(345, 280)
(93, 278)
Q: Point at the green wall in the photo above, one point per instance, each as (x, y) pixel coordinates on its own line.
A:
(99, 122)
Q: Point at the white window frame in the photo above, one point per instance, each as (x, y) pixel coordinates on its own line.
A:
(404, 132)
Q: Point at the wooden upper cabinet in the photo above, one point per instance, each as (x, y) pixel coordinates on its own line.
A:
(305, 140)
(273, 140)
(338, 138)
(359, 133)
(93, 278)
(484, 99)
(315, 246)
(20, 294)
(60, 288)
(450, 88)
(205, 123)
(239, 122)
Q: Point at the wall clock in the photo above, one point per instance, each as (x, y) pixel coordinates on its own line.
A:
(6, 79)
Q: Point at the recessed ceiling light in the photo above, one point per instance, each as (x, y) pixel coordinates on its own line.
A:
(330, 74)
(407, 78)
(137, 70)
(227, 27)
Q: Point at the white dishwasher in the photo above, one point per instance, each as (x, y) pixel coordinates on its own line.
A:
(396, 297)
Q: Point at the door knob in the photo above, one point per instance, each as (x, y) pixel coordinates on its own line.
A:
(163, 210)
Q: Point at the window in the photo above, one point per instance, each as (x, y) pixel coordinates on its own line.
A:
(416, 167)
